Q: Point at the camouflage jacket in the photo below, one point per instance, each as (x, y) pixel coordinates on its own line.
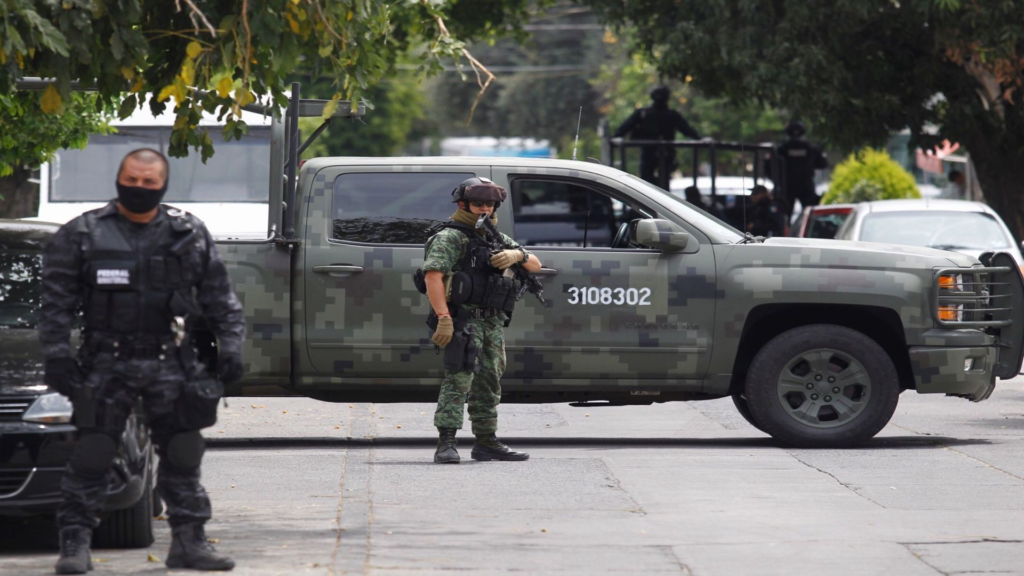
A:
(63, 280)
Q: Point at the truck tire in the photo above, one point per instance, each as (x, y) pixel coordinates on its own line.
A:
(740, 401)
(822, 386)
(130, 527)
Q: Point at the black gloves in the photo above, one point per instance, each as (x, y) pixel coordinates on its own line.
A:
(62, 374)
(229, 368)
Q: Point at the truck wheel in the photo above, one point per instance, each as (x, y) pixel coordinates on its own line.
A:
(130, 527)
(822, 386)
(740, 401)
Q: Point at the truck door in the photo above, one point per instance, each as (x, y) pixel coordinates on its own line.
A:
(364, 236)
(614, 311)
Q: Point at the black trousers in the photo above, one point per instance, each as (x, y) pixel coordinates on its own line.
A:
(117, 385)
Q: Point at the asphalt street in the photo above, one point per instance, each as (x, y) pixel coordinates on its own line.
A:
(300, 486)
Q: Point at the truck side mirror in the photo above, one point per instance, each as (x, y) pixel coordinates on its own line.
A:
(660, 234)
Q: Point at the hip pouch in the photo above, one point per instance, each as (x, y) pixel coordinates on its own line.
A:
(461, 353)
(196, 406)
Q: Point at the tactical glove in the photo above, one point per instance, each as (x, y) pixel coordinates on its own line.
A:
(444, 332)
(61, 374)
(229, 368)
(506, 258)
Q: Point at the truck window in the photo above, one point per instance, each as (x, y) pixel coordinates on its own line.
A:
(563, 213)
(238, 172)
(392, 207)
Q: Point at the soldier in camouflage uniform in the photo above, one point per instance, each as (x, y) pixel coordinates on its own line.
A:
(144, 273)
(481, 327)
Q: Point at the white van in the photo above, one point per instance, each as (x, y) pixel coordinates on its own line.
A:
(229, 193)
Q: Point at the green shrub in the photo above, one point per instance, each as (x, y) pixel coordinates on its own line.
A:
(869, 175)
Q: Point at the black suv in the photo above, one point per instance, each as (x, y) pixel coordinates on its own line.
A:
(36, 434)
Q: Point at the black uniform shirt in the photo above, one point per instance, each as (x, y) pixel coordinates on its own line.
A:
(63, 280)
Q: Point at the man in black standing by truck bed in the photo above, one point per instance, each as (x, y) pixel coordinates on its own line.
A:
(656, 122)
(144, 274)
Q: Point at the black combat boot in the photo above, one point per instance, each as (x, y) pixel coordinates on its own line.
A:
(74, 550)
(190, 549)
(446, 443)
(488, 448)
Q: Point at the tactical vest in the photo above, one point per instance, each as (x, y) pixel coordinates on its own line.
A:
(476, 282)
(138, 290)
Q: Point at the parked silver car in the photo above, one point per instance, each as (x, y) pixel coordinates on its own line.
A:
(967, 227)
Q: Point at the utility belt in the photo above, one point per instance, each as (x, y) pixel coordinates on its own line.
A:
(123, 347)
(195, 407)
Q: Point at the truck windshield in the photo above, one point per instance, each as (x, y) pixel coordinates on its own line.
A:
(238, 171)
(692, 214)
(935, 229)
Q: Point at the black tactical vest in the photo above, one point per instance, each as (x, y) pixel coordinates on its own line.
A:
(129, 289)
(476, 282)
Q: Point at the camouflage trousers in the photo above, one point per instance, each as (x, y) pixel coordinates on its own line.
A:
(116, 388)
(482, 390)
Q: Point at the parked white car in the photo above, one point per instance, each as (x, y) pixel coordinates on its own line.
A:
(970, 228)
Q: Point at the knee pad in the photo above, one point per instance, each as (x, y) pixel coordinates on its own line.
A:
(185, 450)
(94, 455)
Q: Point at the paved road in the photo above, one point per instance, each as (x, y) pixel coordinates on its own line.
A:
(687, 488)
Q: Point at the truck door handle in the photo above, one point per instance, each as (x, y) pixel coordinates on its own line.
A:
(546, 272)
(340, 270)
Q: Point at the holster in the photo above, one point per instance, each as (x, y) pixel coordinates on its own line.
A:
(461, 353)
(83, 400)
(196, 406)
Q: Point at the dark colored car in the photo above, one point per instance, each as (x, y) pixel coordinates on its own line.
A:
(822, 221)
(36, 434)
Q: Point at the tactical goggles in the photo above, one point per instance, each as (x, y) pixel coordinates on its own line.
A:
(482, 203)
(485, 191)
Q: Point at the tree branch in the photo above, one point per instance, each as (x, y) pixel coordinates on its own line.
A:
(195, 14)
(477, 67)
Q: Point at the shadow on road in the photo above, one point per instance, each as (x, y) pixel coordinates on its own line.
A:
(886, 443)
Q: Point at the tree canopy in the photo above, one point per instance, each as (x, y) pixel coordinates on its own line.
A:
(859, 70)
(150, 52)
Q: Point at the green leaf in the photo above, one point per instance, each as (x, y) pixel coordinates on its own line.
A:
(127, 107)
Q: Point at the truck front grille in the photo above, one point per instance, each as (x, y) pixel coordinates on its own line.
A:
(976, 298)
(14, 480)
(12, 407)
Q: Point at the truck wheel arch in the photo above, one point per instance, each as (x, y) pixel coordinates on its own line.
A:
(762, 323)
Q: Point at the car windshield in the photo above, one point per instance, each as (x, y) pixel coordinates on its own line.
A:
(691, 213)
(934, 229)
(20, 274)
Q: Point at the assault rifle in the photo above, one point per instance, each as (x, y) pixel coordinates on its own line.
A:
(529, 282)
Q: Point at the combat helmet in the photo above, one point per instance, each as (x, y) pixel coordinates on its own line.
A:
(661, 93)
(479, 189)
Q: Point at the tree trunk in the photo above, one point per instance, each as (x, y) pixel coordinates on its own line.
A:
(1001, 175)
(18, 196)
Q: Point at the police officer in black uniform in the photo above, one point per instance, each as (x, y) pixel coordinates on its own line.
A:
(764, 214)
(656, 122)
(144, 273)
(800, 159)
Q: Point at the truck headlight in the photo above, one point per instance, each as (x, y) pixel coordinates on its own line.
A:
(50, 408)
(951, 282)
(951, 313)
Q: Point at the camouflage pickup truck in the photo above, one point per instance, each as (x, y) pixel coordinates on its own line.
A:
(649, 299)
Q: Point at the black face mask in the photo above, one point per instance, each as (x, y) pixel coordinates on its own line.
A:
(138, 199)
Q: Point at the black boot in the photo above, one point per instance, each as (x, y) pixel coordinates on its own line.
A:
(490, 448)
(446, 443)
(74, 550)
(190, 549)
